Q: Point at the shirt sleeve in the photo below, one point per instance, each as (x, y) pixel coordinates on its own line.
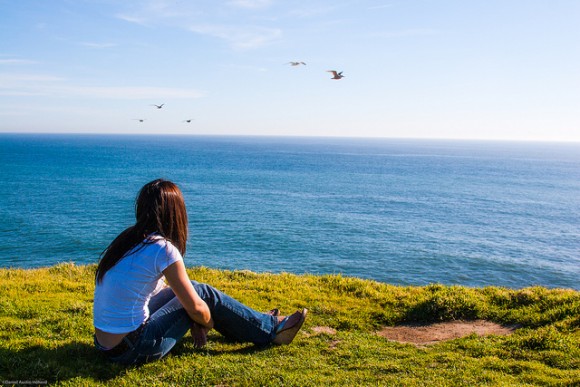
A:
(168, 255)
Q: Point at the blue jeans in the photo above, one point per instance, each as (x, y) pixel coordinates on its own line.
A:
(169, 322)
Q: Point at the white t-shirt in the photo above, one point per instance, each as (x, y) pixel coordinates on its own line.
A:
(122, 297)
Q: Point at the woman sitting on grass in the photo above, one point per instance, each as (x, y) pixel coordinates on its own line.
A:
(138, 318)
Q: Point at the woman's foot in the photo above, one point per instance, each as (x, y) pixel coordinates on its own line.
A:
(274, 312)
(289, 327)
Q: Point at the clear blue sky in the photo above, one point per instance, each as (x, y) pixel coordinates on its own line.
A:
(481, 69)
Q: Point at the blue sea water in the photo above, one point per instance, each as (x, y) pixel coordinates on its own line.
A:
(407, 212)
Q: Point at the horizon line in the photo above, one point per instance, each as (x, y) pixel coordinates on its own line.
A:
(319, 136)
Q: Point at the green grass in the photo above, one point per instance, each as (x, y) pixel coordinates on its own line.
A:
(46, 335)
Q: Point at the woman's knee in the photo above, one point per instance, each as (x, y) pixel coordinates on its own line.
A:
(201, 288)
(207, 292)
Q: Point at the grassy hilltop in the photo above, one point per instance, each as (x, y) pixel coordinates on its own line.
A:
(46, 335)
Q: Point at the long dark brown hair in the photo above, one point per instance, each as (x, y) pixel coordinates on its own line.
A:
(160, 209)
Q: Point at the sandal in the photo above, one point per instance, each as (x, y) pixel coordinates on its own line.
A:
(274, 312)
(289, 327)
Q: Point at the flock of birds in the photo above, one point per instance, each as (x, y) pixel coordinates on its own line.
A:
(335, 75)
(160, 107)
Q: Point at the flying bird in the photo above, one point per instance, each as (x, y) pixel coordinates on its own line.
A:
(139, 119)
(188, 121)
(296, 63)
(335, 75)
(158, 106)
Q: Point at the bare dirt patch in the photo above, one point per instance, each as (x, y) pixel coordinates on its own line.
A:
(325, 330)
(422, 335)
(315, 331)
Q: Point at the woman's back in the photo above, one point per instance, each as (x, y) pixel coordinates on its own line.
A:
(122, 297)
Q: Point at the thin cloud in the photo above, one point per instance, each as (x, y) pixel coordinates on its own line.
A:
(19, 78)
(153, 11)
(184, 15)
(46, 85)
(142, 93)
(383, 6)
(313, 11)
(25, 109)
(133, 19)
(98, 45)
(238, 68)
(145, 92)
(405, 33)
(253, 4)
(13, 111)
(240, 38)
(16, 62)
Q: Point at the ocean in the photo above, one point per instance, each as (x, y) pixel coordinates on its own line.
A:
(404, 212)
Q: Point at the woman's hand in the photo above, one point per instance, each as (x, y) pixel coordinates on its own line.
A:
(199, 335)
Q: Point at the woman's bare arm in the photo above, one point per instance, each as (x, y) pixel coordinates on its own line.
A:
(179, 282)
